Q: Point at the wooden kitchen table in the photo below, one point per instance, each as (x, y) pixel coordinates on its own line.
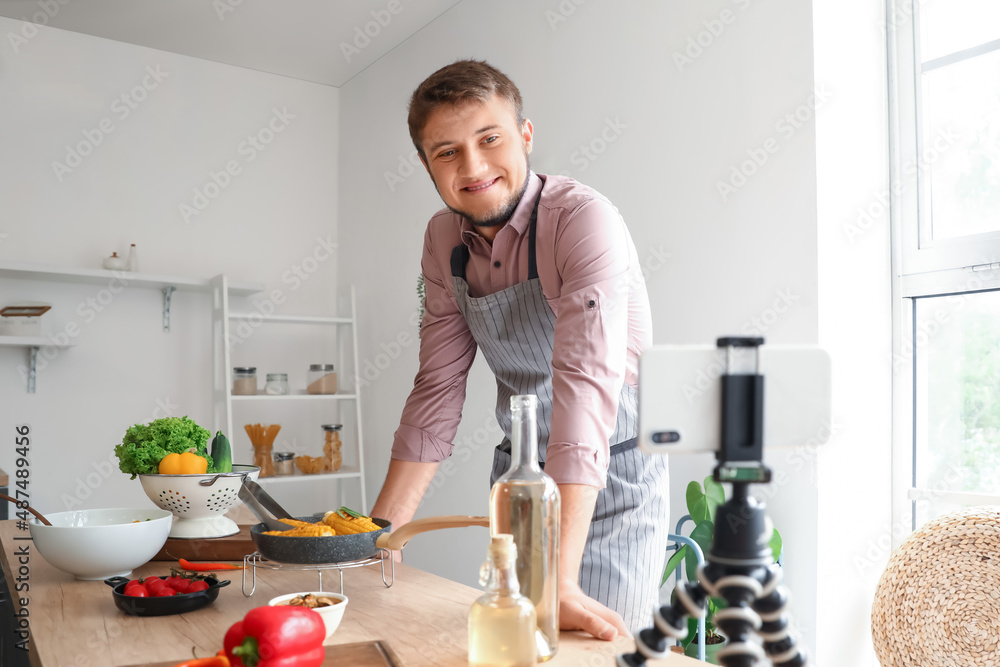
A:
(422, 618)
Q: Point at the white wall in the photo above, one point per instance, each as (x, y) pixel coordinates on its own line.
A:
(745, 264)
(855, 325)
(62, 87)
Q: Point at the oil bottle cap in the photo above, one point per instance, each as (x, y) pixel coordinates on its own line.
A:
(502, 548)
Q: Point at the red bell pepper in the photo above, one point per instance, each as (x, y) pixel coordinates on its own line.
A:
(280, 636)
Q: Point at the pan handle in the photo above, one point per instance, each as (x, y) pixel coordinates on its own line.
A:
(398, 538)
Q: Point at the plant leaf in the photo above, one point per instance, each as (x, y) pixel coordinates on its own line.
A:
(696, 503)
(715, 491)
(692, 632)
(775, 544)
(672, 564)
(702, 503)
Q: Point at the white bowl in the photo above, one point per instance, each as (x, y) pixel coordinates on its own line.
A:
(331, 615)
(198, 510)
(97, 544)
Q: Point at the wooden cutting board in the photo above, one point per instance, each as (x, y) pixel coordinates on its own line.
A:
(362, 654)
(234, 547)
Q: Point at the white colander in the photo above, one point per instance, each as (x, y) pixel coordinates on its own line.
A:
(198, 502)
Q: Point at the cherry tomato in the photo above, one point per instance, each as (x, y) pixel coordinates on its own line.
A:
(132, 584)
(182, 586)
(198, 585)
(165, 592)
(172, 581)
(155, 584)
(137, 592)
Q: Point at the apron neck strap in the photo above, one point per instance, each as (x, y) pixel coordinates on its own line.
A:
(532, 263)
(460, 253)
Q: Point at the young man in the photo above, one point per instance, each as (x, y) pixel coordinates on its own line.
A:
(540, 274)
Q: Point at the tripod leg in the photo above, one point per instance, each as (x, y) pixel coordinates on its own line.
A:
(739, 586)
(669, 622)
(779, 644)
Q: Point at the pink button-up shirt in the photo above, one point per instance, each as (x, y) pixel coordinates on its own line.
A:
(584, 253)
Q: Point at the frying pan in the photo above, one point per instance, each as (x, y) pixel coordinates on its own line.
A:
(341, 548)
(171, 604)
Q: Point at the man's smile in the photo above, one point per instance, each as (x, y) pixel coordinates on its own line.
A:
(481, 185)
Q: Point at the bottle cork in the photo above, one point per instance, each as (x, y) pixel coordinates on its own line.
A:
(502, 549)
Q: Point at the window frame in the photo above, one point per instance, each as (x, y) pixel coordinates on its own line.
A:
(921, 266)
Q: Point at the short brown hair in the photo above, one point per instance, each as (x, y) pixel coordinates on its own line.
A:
(462, 81)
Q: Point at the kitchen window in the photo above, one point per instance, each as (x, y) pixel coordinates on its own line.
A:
(944, 80)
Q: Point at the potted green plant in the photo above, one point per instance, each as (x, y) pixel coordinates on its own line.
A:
(702, 502)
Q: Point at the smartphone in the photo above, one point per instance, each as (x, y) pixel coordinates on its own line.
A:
(680, 395)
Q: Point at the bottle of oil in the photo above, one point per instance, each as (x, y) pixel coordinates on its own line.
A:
(525, 503)
(501, 622)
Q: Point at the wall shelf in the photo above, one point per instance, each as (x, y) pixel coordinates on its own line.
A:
(344, 473)
(166, 284)
(295, 397)
(33, 343)
(293, 319)
(31, 271)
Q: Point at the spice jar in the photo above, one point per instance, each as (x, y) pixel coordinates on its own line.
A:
(332, 447)
(321, 379)
(284, 463)
(245, 381)
(277, 384)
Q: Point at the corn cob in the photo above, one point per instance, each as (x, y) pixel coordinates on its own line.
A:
(296, 523)
(349, 522)
(308, 530)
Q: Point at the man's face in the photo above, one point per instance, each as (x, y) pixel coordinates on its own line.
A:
(477, 158)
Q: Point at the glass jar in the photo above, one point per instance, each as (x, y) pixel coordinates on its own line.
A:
(245, 381)
(277, 384)
(284, 463)
(332, 447)
(321, 379)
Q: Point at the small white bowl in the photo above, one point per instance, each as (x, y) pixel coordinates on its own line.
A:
(331, 615)
(103, 543)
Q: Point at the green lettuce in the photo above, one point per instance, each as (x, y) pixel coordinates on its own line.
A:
(144, 445)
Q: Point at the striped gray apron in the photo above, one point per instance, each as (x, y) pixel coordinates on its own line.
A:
(624, 557)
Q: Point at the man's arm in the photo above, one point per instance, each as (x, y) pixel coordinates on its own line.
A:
(577, 611)
(594, 259)
(433, 409)
(404, 486)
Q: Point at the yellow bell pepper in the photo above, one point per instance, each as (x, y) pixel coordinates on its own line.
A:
(187, 463)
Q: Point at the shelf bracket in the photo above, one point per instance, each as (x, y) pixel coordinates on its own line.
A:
(32, 368)
(167, 292)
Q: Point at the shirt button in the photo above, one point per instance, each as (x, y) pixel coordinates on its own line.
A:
(496, 264)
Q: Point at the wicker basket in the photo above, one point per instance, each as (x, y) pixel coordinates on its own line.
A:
(938, 601)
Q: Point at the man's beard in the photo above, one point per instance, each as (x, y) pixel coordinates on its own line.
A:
(502, 213)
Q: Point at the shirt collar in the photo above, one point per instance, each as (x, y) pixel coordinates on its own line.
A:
(519, 220)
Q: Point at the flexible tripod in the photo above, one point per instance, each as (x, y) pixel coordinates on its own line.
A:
(740, 567)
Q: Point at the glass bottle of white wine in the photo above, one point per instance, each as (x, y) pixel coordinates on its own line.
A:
(502, 621)
(525, 503)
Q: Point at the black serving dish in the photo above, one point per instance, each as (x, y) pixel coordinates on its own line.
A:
(165, 606)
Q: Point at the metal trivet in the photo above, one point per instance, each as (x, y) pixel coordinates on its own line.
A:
(252, 561)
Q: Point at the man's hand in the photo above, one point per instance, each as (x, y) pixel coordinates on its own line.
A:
(579, 612)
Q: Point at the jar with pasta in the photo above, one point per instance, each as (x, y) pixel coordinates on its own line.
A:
(332, 448)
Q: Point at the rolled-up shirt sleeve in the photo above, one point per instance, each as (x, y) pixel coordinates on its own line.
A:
(596, 264)
(433, 409)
